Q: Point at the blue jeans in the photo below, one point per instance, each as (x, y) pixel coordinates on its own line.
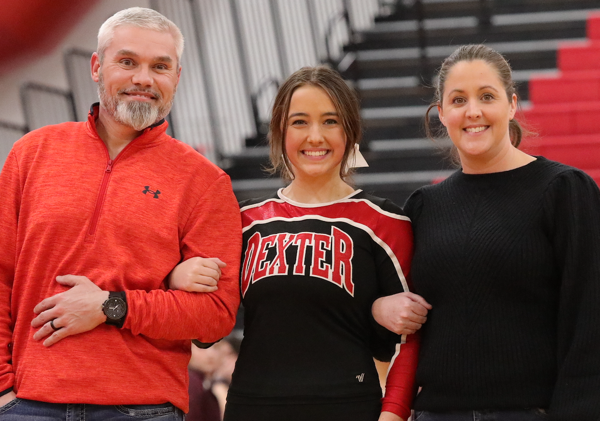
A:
(26, 410)
(524, 415)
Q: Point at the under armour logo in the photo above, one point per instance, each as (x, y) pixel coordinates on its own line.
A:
(155, 193)
(360, 377)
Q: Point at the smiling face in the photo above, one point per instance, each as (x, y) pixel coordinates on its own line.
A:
(315, 139)
(138, 76)
(476, 111)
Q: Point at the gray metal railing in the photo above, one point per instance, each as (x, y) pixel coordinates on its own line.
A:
(85, 90)
(237, 51)
(246, 47)
(44, 105)
(193, 113)
(416, 8)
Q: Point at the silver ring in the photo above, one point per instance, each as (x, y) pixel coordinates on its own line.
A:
(52, 325)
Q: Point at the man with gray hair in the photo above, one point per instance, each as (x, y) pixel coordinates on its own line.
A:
(95, 215)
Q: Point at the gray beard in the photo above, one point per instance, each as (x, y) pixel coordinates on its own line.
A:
(135, 114)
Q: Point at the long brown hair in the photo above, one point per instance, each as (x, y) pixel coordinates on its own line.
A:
(346, 104)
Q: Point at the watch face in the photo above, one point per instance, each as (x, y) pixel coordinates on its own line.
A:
(114, 308)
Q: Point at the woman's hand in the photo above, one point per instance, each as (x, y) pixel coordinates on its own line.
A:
(402, 313)
(389, 416)
(198, 274)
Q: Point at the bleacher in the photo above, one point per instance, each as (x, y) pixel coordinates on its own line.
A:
(565, 108)
(392, 66)
(231, 69)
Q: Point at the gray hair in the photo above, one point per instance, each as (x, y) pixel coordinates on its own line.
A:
(142, 18)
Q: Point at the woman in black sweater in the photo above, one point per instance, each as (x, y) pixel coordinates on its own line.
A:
(507, 251)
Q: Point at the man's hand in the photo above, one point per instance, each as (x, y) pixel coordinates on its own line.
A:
(402, 313)
(74, 311)
(7, 398)
(197, 274)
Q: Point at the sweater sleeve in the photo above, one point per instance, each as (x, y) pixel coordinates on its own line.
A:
(573, 210)
(400, 381)
(413, 205)
(9, 217)
(213, 230)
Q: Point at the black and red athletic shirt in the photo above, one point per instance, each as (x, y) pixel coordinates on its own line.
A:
(309, 276)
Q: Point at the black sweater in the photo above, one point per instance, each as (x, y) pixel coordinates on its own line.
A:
(510, 262)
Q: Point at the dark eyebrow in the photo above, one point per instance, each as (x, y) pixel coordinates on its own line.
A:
(481, 89)
(297, 115)
(163, 59)
(488, 87)
(332, 113)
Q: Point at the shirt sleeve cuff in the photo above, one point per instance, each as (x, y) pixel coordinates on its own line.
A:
(6, 391)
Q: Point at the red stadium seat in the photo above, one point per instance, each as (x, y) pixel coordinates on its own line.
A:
(565, 108)
(567, 118)
(573, 86)
(581, 151)
(579, 56)
(593, 26)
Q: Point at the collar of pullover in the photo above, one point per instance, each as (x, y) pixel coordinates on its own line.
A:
(151, 135)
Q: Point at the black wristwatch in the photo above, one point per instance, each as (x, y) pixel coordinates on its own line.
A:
(115, 308)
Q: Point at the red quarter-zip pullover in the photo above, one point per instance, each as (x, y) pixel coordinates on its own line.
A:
(66, 208)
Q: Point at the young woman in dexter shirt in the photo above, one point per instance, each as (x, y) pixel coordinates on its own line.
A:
(316, 255)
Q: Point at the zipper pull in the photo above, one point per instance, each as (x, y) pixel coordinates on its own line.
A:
(109, 166)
